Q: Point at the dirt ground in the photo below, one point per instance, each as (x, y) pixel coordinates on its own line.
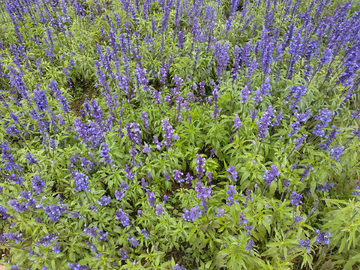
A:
(2, 267)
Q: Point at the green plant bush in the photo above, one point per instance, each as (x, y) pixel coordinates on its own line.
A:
(179, 134)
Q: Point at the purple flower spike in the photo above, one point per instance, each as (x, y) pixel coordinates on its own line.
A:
(305, 244)
(243, 219)
(123, 217)
(237, 122)
(40, 100)
(271, 175)
(170, 135)
(81, 181)
(231, 191)
(233, 173)
(177, 176)
(105, 153)
(144, 118)
(337, 152)
(325, 118)
(151, 198)
(265, 122)
(296, 198)
(250, 245)
(322, 237)
(104, 201)
(38, 185)
(159, 209)
(202, 192)
(201, 162)
(192, 214)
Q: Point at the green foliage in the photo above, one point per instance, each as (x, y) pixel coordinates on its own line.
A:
(270, 238)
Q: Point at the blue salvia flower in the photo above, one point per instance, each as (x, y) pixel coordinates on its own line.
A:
(93, 208)
(245, 92)
(330, 138)
(222, 58)
(296, 198)
(119, 194)
(299, 141)
(271, 175)
(104, 153)
(336, 152)
(80, 129)
(124, 255)
(256, 98)
(81, 181)
(297, 92)
(30, 201)
(151, 198)
(253, 114)
(90, 231)
(11, 236)
(170, 135)
(325, 118)
(12, 130)
(265, 87)
(228, 25)
(202, 192)
(3, 212)
(132, 240)
(277, 119)
(306, 172)
(297, 218)
(159, 209)
(63, 101)
(189, 178)
(145, 233)
(192, 214)
(250, 245)
(165, 18)
(177, 176)
(234, 70)
(200, 164)
(141, 78)
(231, 191)
(123, 217)
(19, 207)
(134, 133)
(325, 187)
(243, 219)
(220, 212)
(178, 267)
(322, 237)
(38, 185)
(356, 192)
(327, 56)
(209, 176)
(301, 118)
(105, 200)
(265, 122)
(233, 173)
(77, 266)
(237, 122)
(40, 99)
(54, 211)
(144, 118)
(305, 244)
(96, 112)
(56, 249)
(103, 235)
(248, 228)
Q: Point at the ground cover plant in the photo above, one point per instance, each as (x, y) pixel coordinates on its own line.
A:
(211, 134)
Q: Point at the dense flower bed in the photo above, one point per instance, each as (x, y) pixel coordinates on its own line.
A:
(179, 134)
